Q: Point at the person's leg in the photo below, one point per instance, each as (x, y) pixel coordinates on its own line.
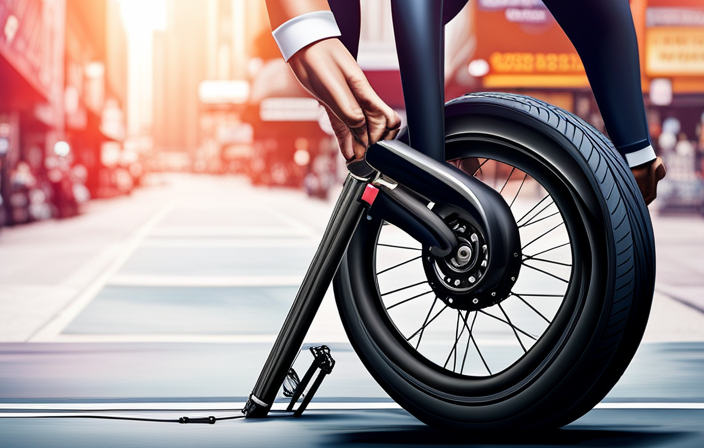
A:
(419, 35)
(348, 17)
(603, 34)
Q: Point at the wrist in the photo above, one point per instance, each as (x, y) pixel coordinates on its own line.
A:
(303, 30)
(641, 157)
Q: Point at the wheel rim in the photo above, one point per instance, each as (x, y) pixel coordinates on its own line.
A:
(454, 358)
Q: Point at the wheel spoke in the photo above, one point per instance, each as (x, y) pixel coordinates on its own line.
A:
(531, 307)
(454, 346)
(513, 327)
(520, 187)
(518, 221)
(404, 288)
(531, 222)
(425, 323)
(509, 324)
(545, 272)
(399, 265)
(422, 329)
(548, 250)
(469, 338)
(532, 218)
(545, 233)
(457, 339)
(479, 168)
(409, 299)
(538, 295)
(476, 346)
(507, 179)
(545, 260)
(399, 247)
(474, 341)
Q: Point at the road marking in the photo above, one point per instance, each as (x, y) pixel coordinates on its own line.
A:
(80, 409)
(204, 280)
(64, 317)
(218, 243)
(230, 232)
(661, 406)
(178, 338)
(336, 335)
(289, 220)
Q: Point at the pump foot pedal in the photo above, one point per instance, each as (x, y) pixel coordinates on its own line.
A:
(324, 363)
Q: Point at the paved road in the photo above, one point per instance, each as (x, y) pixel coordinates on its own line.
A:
(174, 296)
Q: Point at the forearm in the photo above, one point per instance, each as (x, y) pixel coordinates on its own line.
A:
(281, 11)
(297, 24)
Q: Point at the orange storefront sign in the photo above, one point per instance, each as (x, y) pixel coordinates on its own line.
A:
(674, 43)
(675, 51)
(675, 38)
(524, 47)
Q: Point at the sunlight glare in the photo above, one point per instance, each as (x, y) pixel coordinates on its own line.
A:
(144, 14)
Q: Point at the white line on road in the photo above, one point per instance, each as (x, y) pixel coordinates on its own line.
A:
(155, 338)
(67, 314)
(230, 232)
(229, 243)
(289, 220)
(27, 408)
(204, 280)
(670, 405)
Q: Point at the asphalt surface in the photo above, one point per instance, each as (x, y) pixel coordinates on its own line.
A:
(165, 304)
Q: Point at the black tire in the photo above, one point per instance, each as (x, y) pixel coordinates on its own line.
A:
(596, 328)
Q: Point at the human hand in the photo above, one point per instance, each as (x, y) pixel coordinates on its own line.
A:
(358, 116)
(647, 177)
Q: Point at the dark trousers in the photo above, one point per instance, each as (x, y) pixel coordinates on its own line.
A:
(603, 34)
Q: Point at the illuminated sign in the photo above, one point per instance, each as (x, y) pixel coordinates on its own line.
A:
(674, 17)
(524, 62)
(518, 11)
(675, 51)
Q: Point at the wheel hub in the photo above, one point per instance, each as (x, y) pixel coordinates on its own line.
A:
(458, 279)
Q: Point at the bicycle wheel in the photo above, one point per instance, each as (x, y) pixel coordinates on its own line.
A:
(555, 345)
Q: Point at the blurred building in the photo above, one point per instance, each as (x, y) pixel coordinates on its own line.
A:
(31, 95)
(96, 89)
(180, 64)
(201, 68)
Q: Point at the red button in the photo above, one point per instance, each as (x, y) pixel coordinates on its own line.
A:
(369, 194)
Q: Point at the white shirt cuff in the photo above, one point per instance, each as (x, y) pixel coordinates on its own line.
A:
(641, 156)
(303, 30)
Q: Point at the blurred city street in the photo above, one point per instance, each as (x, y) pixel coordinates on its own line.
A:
(171, 298)
(165, 181)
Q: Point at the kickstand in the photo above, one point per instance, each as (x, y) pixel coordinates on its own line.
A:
(321, 360)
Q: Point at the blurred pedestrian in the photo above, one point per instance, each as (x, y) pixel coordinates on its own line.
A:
(683, 146)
